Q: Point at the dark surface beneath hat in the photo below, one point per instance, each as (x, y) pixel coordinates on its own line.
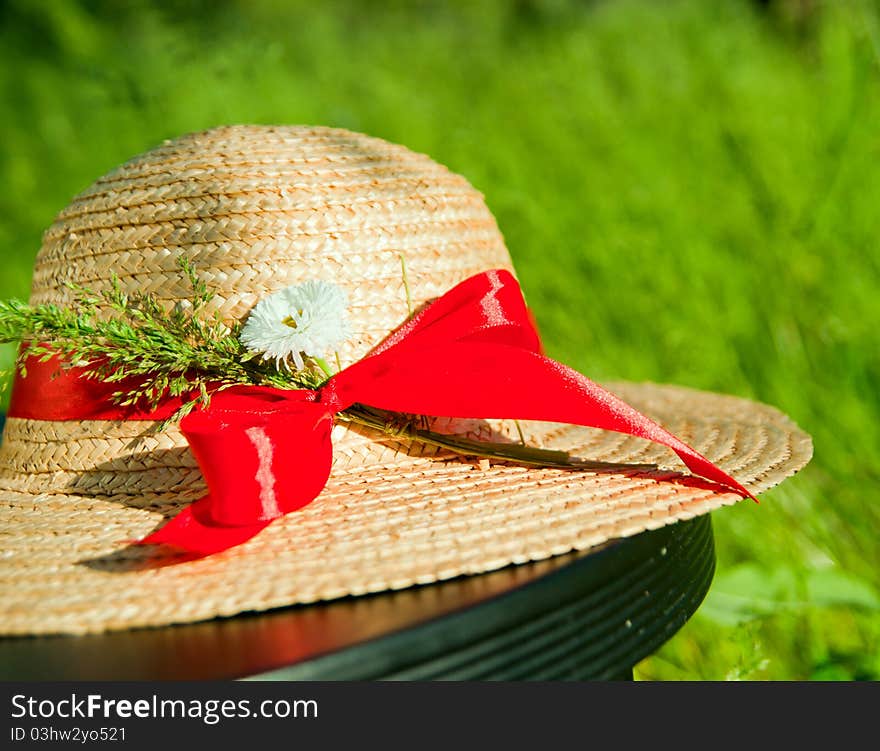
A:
(578, 616)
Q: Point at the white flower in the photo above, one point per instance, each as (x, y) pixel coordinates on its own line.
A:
(305, 319)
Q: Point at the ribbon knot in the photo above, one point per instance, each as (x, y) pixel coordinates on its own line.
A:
(329, 397)
(264, 452)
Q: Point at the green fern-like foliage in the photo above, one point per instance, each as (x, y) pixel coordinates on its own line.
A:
(132, 339)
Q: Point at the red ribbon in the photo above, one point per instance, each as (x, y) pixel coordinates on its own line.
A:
(264, 452)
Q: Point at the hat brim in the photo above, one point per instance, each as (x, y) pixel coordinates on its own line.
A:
(391, 516)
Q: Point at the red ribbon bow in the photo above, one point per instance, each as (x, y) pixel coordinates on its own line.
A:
(264, 452)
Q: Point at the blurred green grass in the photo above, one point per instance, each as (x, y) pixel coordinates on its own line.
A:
(688, 191)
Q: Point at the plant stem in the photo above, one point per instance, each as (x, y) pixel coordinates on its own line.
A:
(509, 452)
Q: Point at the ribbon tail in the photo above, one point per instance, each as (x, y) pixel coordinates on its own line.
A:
(194, 531)
(263, 453)
(485, 380)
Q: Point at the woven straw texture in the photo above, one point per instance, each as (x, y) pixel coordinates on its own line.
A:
(257, 209)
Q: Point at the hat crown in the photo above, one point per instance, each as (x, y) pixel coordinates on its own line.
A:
(259, 208)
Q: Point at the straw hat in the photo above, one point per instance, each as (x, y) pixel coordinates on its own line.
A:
(258, 209)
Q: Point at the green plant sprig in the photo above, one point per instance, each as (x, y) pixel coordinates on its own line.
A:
(133, 339)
